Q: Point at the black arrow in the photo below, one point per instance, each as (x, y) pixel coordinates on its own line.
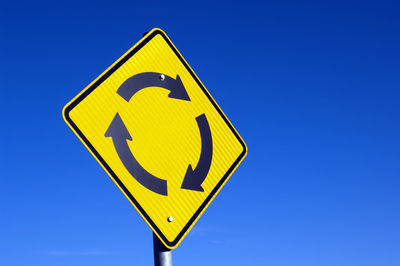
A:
(194, 178)
(120, 136)
(151, 79)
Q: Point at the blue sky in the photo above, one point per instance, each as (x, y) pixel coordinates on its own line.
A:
(311, 86)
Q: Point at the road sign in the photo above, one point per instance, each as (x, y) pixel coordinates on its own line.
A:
(158, 133)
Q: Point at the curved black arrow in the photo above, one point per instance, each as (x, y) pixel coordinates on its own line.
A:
(151, 79)
(120, 136)
(194, 178)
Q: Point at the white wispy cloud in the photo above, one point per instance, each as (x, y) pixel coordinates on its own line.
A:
(206, 230)
(83, 253)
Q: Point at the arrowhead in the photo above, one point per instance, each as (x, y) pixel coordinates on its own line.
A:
(117, 129)
(179, 92)
(189, 182)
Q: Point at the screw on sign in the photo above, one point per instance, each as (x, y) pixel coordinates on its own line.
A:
(155, 129)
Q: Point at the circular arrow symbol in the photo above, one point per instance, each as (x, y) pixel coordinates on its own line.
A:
(151, 79)
(194, 178)
(120, 135)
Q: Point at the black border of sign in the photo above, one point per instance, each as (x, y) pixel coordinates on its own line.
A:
(115, 177)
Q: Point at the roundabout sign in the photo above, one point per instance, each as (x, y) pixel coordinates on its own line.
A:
(158, 133)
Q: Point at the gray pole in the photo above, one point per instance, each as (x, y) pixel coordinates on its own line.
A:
(162, 255)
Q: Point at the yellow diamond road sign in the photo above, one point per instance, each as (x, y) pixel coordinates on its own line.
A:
(158, 133)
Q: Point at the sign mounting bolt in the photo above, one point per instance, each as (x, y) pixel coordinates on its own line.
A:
(170, 219)
(162, 76)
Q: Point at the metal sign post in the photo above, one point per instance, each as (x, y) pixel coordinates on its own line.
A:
(162, 255)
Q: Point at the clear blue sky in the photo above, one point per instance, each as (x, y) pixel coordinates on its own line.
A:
(313, 87)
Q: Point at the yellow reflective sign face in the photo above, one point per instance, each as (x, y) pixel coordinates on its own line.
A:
(158, 133)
